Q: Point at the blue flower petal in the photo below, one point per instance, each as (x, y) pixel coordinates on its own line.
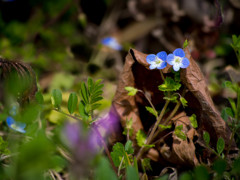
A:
(17, 126)
(176, 67)
(150, 58)
(162, 55)
(112, 43)
(185, 63)
(163, 65)
(152, 66)
(179, 52)
(10, 121)
(170, 59)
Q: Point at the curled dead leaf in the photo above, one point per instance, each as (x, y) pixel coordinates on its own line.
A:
(137, 74)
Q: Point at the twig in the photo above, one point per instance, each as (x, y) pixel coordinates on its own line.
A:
(73, 117)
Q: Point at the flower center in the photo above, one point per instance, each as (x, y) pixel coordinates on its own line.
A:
(158, 61)
(178, 60)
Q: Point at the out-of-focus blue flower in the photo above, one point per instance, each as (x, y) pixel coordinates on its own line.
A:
(178, 59)
(112, 43)
(14, 109)
(157, 61)
(17, 126)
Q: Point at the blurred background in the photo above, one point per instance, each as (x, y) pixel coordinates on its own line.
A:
(64, 40)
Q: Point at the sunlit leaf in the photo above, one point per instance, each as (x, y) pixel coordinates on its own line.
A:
(56, 98)
(185, 44)
(131, 91)
(129, 147)
(193, 121)
(169, 85)
(183, 101)
(152, 111)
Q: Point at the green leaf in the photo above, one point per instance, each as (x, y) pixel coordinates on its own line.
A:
(72, 102)
(180, 127)
(84, 93)
(4, 147)
(104, 170)
(95, 106)
(96, 99)
(220, 145)
(234, 107)
(236, 166)
(131, 90)
(185, 44)
(180, 134)
(39, 97)
(128, 128)
(132, 173)
(185, 176)
(206, 137)
(226, 112)
(183, 101)
(169, 85)
(201, 173)
(176, 75)
(146, 164)
(163, 127)
(220, 166)
(193, 120)
(129, 147)
(90, 84)
(82, 112)
(152, 111)
(141, 138)
(172, 97)
(117, 153)
(56, 98)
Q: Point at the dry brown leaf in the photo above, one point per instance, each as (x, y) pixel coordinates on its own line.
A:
(137, 74)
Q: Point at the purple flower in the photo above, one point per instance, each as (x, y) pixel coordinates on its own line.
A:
(178, 59)
(17, 126)
(81, 141)
(157, 61)
(112, 43)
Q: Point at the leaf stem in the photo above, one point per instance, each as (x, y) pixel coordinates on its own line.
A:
(174, 111)
(149, 139)
(148, 100)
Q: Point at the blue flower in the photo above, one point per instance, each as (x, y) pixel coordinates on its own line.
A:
(17, 126)
(112, 43)
(178, 59)
(157, 61)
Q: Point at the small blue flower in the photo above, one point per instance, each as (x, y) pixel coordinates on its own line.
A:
(157, 61)
(17, 126)
(112, 43)
(178, 59)
(14, 109)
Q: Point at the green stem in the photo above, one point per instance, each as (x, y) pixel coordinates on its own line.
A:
(172, 114)
(149, 139)
(148, 100)
(231, 141)
(73, 117)
(162, 75)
